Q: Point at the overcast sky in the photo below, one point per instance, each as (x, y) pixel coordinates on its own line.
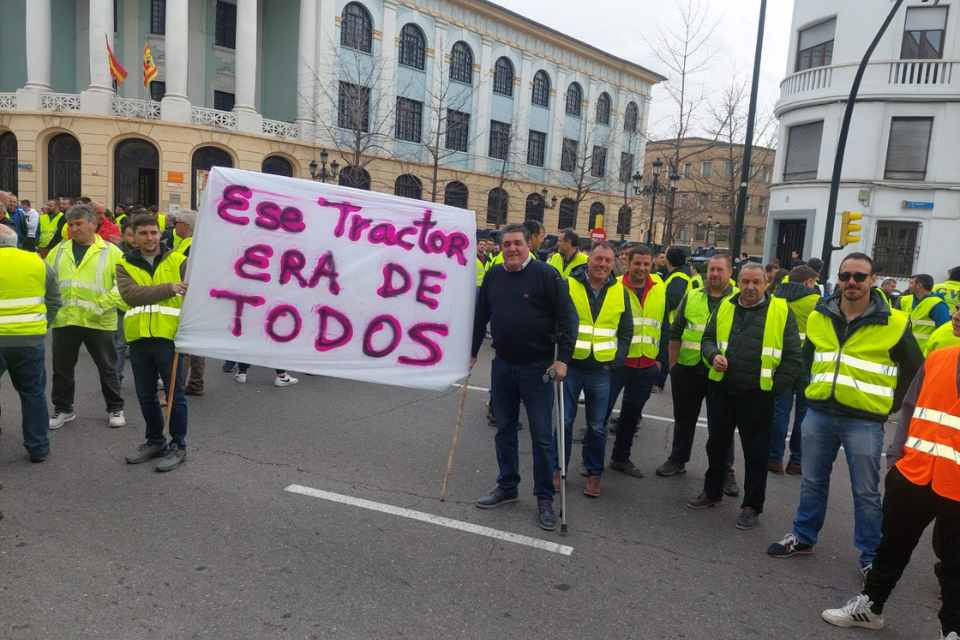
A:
(622, 27)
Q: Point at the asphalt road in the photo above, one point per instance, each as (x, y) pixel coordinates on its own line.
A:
(93, 548)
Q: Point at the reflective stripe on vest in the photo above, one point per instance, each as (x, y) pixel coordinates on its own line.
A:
(942, 337)
(647, 321)
(861, 374)
(88, 290)
(923, 326)
(556, 261)
(597, 336)
(773, 328)
(678, 275)
(931, 454)
(160, 319)
(23, 285)
(696, 313)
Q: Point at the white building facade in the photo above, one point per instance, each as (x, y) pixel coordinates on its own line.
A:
(900, 168)
(259, 84)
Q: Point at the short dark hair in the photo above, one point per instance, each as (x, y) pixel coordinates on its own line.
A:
(534, 228)
(857, 255)
(676, 257)
(640, 250)
(604, 244)
(954, 274)
(803, 273)
(726, 257)
(84, 200)
(26, 202)
(778, 275)
(925, 280)
(516, 228)
(570, 236)
(144, 220)
(816, 264)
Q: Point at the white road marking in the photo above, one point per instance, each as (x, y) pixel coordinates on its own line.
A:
(429, 518)
(701, 422)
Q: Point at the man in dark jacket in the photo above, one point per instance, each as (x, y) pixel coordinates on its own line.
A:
(533, 327)
(753, 348)
(606, 328)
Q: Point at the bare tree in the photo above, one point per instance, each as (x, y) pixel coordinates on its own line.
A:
(591, 164)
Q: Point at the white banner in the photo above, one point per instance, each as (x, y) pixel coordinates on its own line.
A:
(299, 275)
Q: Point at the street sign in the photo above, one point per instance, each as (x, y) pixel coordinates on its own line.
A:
(910, 204)
(598, 235)
(26, 166)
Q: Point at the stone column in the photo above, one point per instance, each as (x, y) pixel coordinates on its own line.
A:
(245, 68)
(39, 25)
(483, 98)
(98, 97)
(386, 101)
(558, 91)
(439, 78)
(175, 105)
(325, 64)
(521, 110)
(307, 68)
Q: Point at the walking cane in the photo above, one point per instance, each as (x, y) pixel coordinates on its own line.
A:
(561, 446)
(170, 388)
(456, 439)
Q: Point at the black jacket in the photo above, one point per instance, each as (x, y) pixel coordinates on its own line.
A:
(791, 291)
(624, 330)
(677, 288)
(906, 353)
(746, 346)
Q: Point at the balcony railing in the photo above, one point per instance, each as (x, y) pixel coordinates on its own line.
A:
(214, 118)
(136, 108)
(8, 101)
(59, 102)
(280, 128)
(888, 77)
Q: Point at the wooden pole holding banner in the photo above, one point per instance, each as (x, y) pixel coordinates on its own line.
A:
(170, 388)
(456, 439)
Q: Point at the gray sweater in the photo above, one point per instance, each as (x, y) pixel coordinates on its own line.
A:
(52, 301)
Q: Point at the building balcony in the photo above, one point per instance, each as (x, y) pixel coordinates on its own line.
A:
(930, 80)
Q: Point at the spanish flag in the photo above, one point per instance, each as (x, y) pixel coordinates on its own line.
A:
(117, 72)
(149, 68)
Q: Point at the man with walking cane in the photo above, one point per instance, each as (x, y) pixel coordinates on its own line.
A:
(533, 326)
(150, 280)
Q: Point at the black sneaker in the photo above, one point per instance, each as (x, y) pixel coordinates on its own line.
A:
(702, 501)
(627, 468)
(228, 367)
(172, 458)
(670, 468)
(788, 547)
(730, 487)
(146, 452)
(496, 498)
(747, 519)
(39, 457)
(546, 518)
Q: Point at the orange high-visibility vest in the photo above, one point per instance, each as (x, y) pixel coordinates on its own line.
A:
(932, 452)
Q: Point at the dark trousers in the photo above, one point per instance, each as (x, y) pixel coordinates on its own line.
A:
(197, 365)
(688, 386)
(750, 412)
(151, 358)
(513, 384)
(29, 376)
(66, 350)
(637, 386)
(907, 510)
(243, 367)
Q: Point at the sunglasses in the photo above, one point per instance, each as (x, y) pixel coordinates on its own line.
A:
(857, 277)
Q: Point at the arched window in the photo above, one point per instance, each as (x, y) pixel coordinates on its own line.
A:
(204, 159)
(603, 108)
(574, 99)
(413, 46)
(408, 186)
(624, 220)
(356, 177)
(277, 166)
(497, 202)
(568, 214)
(456, 194)
(503, 77)
(541, 89)
(356, 28)
(596, 209)
(8, 162)
(136, 173)
(630, 118)
(461, 63)
(63, 166)
(535, 207)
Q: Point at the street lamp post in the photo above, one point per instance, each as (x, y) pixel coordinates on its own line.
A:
(322, 173)
(652, 190)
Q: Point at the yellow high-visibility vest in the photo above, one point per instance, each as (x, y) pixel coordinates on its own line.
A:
(597, 336)
(696, 312)
(48, 228)
(23, 287)
(920, 320)
(160, 319)
(950, 290)
(647, 320)
(776, 323)
(88, 290)
(942, 337)
(556, 261)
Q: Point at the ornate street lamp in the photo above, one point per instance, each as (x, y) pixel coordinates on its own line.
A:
(653, 189)
(321, 174)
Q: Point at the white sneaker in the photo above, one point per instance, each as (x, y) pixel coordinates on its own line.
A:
(116, 419)
(58, 419)
(951, 636)
(856, 613)
(285, 380)
(240, 378)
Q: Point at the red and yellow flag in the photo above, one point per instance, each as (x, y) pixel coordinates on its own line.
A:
(117, 72)
(149, 68)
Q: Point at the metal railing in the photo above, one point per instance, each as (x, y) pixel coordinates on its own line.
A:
(213, 117)
(136, 108)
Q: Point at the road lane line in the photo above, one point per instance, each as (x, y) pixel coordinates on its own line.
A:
(429, 518)
(701, 422)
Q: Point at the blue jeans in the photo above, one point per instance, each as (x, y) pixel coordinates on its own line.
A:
(781, 422)
(123, 349)
(28, 373)
(595, 384)
(151, 358)
(511, 385)
(862, 442)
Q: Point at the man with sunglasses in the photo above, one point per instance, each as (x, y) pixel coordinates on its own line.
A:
(862, 357)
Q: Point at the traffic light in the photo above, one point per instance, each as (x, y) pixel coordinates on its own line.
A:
(850, 228)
